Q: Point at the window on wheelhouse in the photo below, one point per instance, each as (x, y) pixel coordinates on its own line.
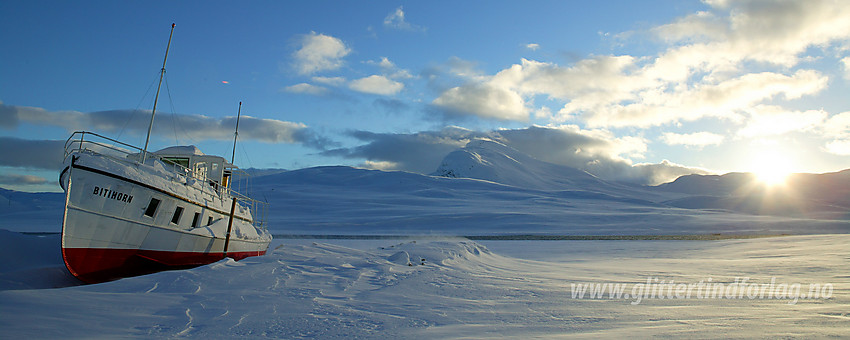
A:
(176, 218)
(200, 171)
(152, 206)
(181, 161)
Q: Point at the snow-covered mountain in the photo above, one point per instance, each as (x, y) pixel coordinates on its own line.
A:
(496, 162)
(488, 188)
(821, 196)
(493, 161)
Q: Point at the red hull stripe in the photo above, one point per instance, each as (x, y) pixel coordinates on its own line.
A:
(94, 265)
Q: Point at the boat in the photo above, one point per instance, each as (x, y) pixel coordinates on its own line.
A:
(132, 212)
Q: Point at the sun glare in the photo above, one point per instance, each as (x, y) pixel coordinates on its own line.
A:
(771, 168)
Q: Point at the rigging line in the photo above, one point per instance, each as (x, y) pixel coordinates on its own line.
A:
(248, 186)
(175, 121)
(136, 109)
(173, 112)
(245, 153)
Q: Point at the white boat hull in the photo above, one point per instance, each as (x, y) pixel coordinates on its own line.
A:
(107, 234)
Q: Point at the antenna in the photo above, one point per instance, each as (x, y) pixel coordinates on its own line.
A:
(156, 98)
(236, 133)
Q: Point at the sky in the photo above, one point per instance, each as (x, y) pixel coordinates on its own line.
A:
(634, 91)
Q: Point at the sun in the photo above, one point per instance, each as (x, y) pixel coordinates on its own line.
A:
(771, 167)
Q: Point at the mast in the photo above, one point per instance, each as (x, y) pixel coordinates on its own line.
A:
(156, 98)
(236, 134)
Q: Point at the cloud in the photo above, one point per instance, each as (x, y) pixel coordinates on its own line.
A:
(318, 53)
(16, 179)
(483, 100)
(772, 32)
(659, 173)
(707, 70)
(698, 139)
(606, 91)
(837, 128)
(333, 81)
(390, 69)
(503, 95)
(395, 20)
(532, 46)
(838, 125)
(196, 127)
(768, 120)
(418, 152)
(306, 89)
(387, 166)
(31, 154)
(595, 151)
(839, 147)
(845, 63)
(376, 84)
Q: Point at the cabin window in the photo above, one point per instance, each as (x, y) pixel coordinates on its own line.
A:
(176, 218)
(151, 209)
(201, 170)
(181, 161)
(225, 180)
(196, 219)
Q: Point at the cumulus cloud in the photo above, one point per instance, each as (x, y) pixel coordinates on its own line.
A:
(532, 46)
(390, 69)
(483, 100)
(595, 151)
(837, 128)
(383, 84)
(698, 139)
(197, 127)
(838, 125)
(706, 70)
(318, 53)
(839, 147)
(396, 20)
(376, 84)
(773, 32)
(768, 120)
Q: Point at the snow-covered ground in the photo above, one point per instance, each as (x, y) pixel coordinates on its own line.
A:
(431, 283)
(449, 288)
